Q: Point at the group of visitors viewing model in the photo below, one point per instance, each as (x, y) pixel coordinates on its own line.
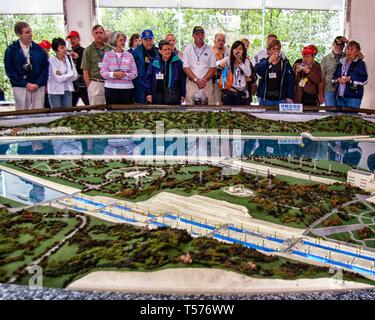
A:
(105, 73)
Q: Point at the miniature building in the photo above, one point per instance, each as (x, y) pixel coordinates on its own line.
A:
(239, 191)
(362, 179)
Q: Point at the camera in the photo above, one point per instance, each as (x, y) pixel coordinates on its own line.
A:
(27, 67)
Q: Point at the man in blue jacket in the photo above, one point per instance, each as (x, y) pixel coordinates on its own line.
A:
(276, 77)
(144, 56)
(26, 65)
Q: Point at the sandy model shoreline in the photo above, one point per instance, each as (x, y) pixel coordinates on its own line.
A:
(202, 281)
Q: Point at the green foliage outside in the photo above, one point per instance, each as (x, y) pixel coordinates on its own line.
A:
(295, 28)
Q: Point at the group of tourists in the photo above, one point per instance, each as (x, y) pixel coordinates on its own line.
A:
(108, 73)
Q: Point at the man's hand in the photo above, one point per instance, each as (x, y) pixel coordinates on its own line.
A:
(201, 83)
(58, 73)
(149, 99)
(74, 55)
(287, 100)
(31, 87)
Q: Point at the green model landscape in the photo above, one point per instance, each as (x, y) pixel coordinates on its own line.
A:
(28, 234)
(129, 122)
(272, 201)
(100, 245)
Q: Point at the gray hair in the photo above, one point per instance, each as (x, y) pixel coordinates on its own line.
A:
(114, 37)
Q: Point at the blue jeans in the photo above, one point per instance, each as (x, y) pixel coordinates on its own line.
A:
(349, 102)
(61, 100)
(270, 103)
(330, 99)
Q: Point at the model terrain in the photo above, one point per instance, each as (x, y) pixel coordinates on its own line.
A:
(130, 122)
(268, 217)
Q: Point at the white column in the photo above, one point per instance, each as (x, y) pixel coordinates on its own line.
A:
(361, 25)
(80, 16)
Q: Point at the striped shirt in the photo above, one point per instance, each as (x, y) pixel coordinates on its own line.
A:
(114, 61)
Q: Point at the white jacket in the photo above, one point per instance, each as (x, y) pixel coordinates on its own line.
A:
(60, 84)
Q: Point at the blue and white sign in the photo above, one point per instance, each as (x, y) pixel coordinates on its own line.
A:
(291, 107)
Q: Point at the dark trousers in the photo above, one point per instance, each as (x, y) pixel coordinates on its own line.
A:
(309, 99)
(238, 98)
(81, 93)
(119, 96)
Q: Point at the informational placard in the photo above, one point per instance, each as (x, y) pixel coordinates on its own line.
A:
(291, 108)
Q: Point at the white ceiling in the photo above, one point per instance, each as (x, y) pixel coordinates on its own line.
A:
(229, 4)
(56, 7)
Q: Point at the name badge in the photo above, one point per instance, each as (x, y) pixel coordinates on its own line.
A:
(159, 76)
(303, 82)
(100, 64)
(273, 75)
(198, 63)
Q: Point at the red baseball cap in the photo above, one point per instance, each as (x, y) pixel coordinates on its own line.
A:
(45, 44)
(308, 50)
(73, 34)
(314, 48)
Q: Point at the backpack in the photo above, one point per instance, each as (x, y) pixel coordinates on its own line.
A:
(226, 79)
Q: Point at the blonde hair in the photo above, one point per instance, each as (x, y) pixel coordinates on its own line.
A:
(170, 34)
(246, 42)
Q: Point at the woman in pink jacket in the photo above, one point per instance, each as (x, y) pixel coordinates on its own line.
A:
(119, 70)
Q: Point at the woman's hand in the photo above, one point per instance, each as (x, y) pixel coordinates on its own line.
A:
(273, 58)
(239, 58)
(119, 74)
(149, 99)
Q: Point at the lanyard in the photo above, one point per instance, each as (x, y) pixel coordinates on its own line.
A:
(198, 56)
(345, 69)
(100, 53)
(119, 63)
(64, 63)
(237, 76)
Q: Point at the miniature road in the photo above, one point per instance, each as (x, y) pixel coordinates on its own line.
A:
(323, 232)
(56, 247)
(326, 216)
(252, 167)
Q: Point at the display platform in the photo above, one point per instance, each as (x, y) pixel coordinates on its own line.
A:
(267, 195)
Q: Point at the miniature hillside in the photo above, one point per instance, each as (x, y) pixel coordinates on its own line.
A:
(128, 122)
(27, 235)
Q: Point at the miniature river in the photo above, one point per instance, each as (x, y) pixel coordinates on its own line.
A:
(351, 152)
